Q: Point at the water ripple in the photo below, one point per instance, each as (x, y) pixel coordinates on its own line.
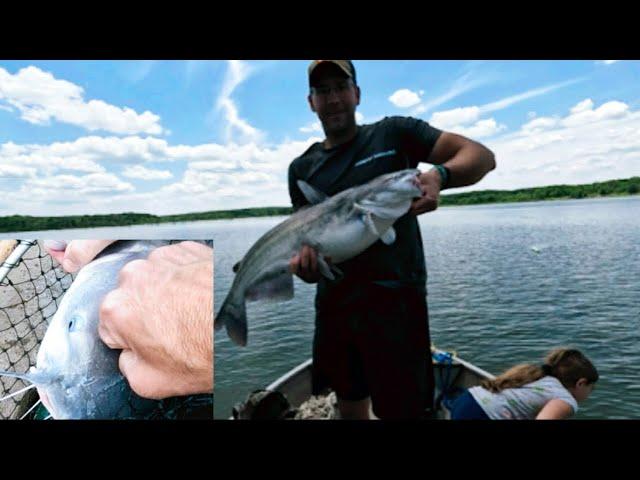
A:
(506, 284)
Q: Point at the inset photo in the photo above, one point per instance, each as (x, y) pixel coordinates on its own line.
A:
(106, 329)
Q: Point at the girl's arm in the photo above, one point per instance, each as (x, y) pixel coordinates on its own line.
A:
(555, 409)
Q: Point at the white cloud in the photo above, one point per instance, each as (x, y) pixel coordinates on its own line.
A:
(237, 129)
(582, 106)
(87, 154)
(213, 165)
(16, 171)
(461, 85)
(536, 92)
(481, 129)
(235, 159)
(589, 144)
(581, 114)
(541, 123)
(457, 116)
(459, 120)
(143, 173)
(61, 188)
(404, 98)
(41, 98)
(48, 159)
(259, 178)
(467, 83)
(584, 113)
(198, 182)
(312, 127)
(466, 121)
(216, 177)
(607, 62)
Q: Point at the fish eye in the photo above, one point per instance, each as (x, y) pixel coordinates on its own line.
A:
(73, 323)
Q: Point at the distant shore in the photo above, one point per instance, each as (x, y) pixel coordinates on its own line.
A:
(611, 188)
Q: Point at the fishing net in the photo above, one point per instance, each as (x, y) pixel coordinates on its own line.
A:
(30, 293)
(32, 285)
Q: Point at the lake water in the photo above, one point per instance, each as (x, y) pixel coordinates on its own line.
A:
(506, 284)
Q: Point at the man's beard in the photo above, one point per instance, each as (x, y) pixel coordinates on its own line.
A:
(331, 128)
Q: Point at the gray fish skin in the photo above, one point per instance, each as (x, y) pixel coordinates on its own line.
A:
(76, 374)
(340, 228)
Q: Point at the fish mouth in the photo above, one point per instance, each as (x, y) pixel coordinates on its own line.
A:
(412, 181)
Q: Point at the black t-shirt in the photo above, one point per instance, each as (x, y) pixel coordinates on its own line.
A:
(392, 144)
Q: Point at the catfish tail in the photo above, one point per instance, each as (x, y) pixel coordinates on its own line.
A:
(233, 315)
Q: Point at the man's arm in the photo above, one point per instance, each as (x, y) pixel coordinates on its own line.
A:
(468, 162)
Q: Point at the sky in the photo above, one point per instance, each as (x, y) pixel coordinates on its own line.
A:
(167, 137)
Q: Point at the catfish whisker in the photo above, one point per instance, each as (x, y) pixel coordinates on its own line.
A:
(32, 407)
(18, 392)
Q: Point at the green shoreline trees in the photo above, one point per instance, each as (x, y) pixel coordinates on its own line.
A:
(20, 223)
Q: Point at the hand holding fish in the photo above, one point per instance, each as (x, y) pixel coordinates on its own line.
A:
(305, 264)
(338, 227)
(77, 253)
(161, 317)
(430, 186)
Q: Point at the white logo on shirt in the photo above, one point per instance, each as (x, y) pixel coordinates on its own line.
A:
(373, 157)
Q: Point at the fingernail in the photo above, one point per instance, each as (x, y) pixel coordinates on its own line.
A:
(55, 244)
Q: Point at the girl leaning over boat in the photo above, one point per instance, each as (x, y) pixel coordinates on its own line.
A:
(550, 391)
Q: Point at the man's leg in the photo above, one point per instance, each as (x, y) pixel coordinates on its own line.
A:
(395, 350)
(338, 365)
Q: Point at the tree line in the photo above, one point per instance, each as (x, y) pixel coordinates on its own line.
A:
(20, 223)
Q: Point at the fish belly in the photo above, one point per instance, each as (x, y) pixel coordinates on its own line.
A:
(346, 241)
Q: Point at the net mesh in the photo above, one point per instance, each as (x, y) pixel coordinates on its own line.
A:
(29, 296)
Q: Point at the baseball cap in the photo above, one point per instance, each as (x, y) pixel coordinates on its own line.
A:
(344, 65)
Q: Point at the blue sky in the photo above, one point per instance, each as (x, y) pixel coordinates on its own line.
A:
(87, 137)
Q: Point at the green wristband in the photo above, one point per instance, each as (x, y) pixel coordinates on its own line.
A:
(444, 175)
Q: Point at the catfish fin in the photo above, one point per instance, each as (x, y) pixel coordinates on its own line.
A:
(389, 236)
(274, 287)
(329, 271)
(312, 194)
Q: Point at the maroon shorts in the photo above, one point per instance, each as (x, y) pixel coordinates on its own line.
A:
(376, 345)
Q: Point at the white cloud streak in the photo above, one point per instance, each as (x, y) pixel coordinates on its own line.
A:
(237, 129)
(536, 92)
